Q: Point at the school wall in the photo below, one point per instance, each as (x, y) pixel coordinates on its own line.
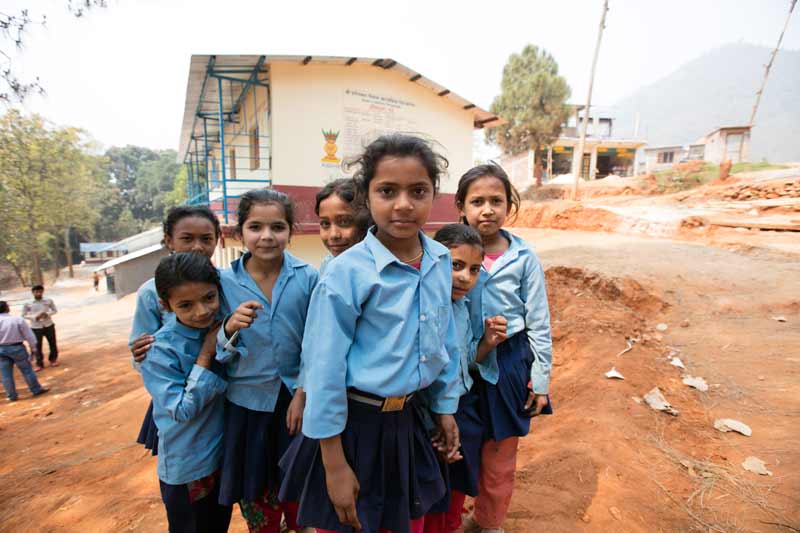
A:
(359, 102)
(130, 275)
(308, 247)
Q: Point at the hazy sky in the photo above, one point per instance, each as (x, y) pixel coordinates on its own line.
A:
(121, 72)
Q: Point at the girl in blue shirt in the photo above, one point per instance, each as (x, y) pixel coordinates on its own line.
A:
(188, 395)
(380, 329)
(186, 229)
(343, 219)
(269, 289)
(511, 284)
(466, 250)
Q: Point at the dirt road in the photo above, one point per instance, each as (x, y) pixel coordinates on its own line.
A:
(603, 462)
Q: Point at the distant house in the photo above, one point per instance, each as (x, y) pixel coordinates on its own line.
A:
(98, 252)
(603, 154)
(731, 143)
(125, 273)
(663, 157)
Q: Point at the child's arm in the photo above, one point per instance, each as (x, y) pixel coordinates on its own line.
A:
(228, 343)
(341, 482)
(181, 396)
(494, 333)
(146, 321)
(444, 392)
(537, 325)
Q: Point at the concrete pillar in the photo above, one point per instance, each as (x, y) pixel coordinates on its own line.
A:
(593, 163)
(549, 163)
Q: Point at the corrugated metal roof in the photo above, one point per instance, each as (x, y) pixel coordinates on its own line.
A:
(128, 257)
(199, 64)
(89, 247)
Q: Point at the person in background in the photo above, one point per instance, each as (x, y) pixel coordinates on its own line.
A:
(13, 331)
(39, 312)
(96, 281)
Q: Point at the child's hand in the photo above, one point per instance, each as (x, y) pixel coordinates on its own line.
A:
(209, 348)
(449, 429)
(440, 445)
(495, 330)
(140, 346)
(535, 403)
(243, 317)
(294, 415)
(343, 488)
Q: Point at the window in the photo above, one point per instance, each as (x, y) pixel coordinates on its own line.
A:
(255, 148)
(232, 164)
(666, 157)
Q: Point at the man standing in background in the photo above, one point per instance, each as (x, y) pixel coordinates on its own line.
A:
(13, 331)
(39, 313)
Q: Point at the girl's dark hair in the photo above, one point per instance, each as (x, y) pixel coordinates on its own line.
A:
(453, 235)
(397, 145)
(493, 170)
(175, 214)
(177, 269)
(345, 188)
(4, 307)
(260, 197)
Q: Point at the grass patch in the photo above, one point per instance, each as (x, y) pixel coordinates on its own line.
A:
(753, 167)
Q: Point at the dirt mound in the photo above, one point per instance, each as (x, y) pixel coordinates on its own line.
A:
(565, 215)
(626, 291)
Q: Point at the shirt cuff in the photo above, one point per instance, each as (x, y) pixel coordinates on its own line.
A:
(540, 381)
(200, 376)
(444, 407)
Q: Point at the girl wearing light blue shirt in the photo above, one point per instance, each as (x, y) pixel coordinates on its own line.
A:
(186, 229)
(511, 284)
(343, 219)
(380, 329)
(187, 394)
(269, 289)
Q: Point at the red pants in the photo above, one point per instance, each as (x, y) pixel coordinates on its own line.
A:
(496, 482)
(416, 527)
(449, 521)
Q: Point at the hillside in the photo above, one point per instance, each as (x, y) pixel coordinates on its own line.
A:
(718, 88)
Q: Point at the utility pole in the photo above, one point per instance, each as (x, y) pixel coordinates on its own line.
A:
(577, 160)
(769, 64)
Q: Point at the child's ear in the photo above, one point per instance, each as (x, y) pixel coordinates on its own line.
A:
(165, 304)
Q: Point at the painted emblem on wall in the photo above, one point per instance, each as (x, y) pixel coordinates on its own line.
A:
(330, 147)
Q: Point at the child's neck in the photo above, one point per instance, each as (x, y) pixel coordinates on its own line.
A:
(493, 244)
(258, 268)
(403, 249)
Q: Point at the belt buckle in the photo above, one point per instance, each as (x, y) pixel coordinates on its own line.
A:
(393, 403)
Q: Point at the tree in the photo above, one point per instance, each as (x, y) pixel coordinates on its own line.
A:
(47, 186)
(532, 99)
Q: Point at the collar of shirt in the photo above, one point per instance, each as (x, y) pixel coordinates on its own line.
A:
(186, 331)
(431, 250)
(243, 277)
(516, 247)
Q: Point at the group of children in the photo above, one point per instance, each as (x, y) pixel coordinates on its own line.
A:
(372, 396)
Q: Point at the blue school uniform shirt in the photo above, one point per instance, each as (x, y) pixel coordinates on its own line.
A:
(268, 352)
(324, 265)
(515, 289)
(188, 405)
(467, 343)
(380, 326)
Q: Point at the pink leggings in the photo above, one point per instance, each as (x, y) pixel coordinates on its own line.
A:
(496, 481)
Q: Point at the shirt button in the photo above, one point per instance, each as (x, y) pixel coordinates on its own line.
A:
(423, 358)
(422, 318)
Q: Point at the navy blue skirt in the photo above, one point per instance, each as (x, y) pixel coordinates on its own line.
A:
(148, 433)
(254, 442)
(464, 473)
(504, 403)
(392, 458)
